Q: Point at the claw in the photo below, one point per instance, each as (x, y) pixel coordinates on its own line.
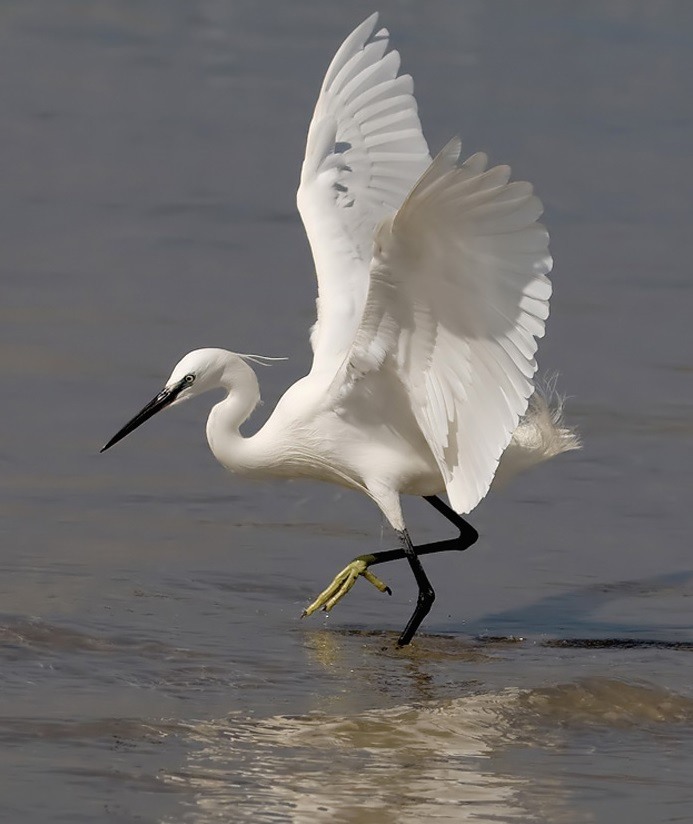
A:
(342, 583)
(377, 583)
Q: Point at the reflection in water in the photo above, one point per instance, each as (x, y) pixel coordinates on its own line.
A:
(406, 764)
(396, 675)
(397, 765)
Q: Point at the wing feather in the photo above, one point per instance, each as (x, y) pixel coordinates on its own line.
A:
(364, 152)
(458, 296)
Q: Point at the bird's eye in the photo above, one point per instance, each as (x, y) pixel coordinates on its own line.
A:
(189, 378)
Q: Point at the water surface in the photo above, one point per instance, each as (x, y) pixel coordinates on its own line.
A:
(154, 667)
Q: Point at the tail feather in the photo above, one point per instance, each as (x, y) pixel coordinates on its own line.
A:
(541, 434)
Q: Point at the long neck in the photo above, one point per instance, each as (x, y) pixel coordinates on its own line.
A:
(225, 441)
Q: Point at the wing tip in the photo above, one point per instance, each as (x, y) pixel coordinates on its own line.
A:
(351, 44)
(451, 152)
(372, 19)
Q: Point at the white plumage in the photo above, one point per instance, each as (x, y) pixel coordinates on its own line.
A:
(364, 152)
(432, 293)
(441, 282)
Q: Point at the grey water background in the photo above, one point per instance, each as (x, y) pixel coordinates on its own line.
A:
(153, 667)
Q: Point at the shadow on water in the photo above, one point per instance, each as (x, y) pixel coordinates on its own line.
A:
(576, 608)
(618, 643)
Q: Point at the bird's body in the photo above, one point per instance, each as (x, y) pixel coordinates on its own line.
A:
(372, 443)
(432, 292)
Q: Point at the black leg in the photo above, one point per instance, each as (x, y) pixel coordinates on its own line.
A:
(426, 594)
(467, 532)
(468, 535)
(345, 580)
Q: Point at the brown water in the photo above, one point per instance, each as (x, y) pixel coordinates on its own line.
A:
(154, 668)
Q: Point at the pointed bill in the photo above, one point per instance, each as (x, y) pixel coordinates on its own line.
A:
(161, 401)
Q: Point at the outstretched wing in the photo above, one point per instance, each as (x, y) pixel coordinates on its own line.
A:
(365, 151)
(458, 295)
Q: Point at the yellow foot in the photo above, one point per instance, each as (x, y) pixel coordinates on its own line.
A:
(343, 583)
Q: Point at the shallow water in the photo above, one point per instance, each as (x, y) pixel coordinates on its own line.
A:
(153, 664)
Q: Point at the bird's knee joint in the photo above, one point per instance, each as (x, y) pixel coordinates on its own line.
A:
(469, 536)
(426, 598)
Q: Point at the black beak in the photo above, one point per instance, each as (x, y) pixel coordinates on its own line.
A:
(161, 401)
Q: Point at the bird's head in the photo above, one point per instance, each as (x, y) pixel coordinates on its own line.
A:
(197, 372)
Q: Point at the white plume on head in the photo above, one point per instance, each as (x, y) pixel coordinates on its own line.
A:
(261, 360)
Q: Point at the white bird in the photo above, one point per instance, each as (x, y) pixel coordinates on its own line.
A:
(432, 292)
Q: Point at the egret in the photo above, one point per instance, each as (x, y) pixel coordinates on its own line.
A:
(432, 293)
